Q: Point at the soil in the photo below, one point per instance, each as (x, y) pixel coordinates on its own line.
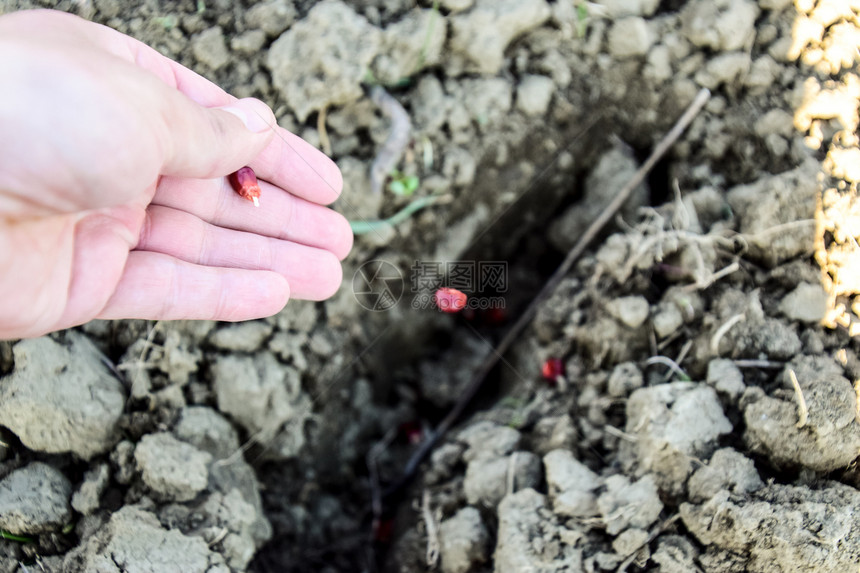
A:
(703, 414)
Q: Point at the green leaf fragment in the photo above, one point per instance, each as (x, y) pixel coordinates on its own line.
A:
(19, 538)
(398, 187)
(364, 227)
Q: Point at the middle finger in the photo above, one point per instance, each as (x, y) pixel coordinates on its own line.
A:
(281, 215)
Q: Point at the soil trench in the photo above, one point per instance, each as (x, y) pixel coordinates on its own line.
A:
(686, 400)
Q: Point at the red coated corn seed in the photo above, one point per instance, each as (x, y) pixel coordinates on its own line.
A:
(552, 368)
(244, 182)
(450, 299)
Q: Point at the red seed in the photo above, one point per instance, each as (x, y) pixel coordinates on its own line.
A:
(245, 183)
(383, 530)
(552, 369)
(450, 299)
(495, 316)
(412, 432)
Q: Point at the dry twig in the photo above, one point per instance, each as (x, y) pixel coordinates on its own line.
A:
(722, 330)
(550, 286)
(651, 537)
(613, 431)
(325, 142)
(373, 475)
(768, 364)
(666, 361)
(432, 527)
(802, 409)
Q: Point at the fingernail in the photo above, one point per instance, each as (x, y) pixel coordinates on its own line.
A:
(254, 114)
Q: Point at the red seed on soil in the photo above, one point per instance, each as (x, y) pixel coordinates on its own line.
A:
(450, 300)
(552, 369)
(412, 432)
(245, 183)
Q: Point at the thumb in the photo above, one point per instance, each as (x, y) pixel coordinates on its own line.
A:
(210, 142)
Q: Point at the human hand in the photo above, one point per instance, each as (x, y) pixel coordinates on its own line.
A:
(113, 196)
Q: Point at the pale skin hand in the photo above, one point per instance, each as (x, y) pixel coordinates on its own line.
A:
(113, 196)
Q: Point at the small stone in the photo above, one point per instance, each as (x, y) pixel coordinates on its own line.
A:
(486, 481)
(845, 163)
(780, 527)
(481, 35)
(34, 499)
(488, 440)
(463, 541)
(249, 43)
(552, 433)
(659, 66)
(428, 98)
(134, 541)
(454, 6)
(724, 69)
(764, 72)
(122, 458)
(442, 462)
(207, 430)
(172, 469)
(241, 337)
(667, 320)
(767, 204)
(320, 344)
(87, 499)
(564, 472)
(673, 424)
(571, 485)
(632, 311)
(675, 554)
(830, 436)
(770, 337)
(534, 94)
(272, 17)
(606, 561)
(401, 57)
(108, 8)
(528, 537)
(288, 347)
(615, 9)
(727, 469)
(625, 378)
(298, 316)
(626, 504)
(458, 165)
(725, 377)
(265, 397)
(806, 303)
(313, 70)
(487, 100)
(233, 513)
(629, 37)
(629, 541)
(775, 5)
(210, 49)
(61, 398)
(724, 25)
(775, 121)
